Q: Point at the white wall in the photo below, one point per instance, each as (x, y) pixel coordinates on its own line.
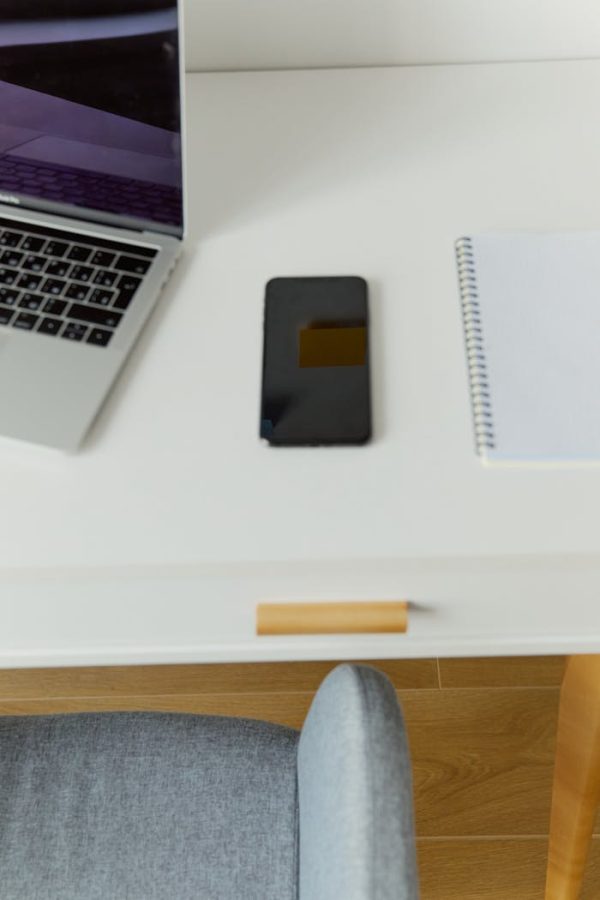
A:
(248, 34)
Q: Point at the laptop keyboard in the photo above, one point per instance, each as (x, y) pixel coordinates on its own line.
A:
(66, 285)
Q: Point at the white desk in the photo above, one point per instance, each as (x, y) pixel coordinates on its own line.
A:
(156, 541)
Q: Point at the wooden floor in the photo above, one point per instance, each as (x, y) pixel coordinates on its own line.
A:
(482, 736)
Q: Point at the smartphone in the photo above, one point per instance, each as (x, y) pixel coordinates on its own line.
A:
(315, 378)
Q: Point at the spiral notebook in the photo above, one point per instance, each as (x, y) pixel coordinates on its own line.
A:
(531, 315)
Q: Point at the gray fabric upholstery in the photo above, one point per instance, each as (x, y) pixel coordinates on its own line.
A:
(355, 793)
(156, 806)
(147, 806)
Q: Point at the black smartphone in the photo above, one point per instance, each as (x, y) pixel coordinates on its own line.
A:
(315, 379)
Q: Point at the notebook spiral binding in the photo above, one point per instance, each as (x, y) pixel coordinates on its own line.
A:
(478, 376)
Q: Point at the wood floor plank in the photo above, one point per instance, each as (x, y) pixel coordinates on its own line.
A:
(482, 759)
(196, 679)
(517, 671)
(496, 869)
(482, 870)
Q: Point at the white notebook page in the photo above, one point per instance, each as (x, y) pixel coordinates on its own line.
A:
(539, 300)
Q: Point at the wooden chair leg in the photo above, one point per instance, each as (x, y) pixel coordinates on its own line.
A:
(576, 789)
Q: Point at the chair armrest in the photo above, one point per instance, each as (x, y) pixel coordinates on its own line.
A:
(356, 831)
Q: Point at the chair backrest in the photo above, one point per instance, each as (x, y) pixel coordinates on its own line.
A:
(355, 793)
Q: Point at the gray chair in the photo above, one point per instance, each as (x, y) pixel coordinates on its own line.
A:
(160, 806)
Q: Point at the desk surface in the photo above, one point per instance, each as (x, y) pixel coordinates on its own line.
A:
(154, 542)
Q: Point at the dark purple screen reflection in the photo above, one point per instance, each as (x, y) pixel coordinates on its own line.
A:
(89, 106)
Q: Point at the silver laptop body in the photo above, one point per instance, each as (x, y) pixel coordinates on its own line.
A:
(91, 178)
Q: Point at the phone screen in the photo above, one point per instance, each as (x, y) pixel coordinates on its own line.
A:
(315, 386)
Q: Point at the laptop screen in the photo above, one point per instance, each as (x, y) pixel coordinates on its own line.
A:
(90, 109)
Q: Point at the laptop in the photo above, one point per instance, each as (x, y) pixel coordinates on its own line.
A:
(91, 200)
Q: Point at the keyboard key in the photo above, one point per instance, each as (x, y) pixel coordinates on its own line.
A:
(55, 307)
(102, 298)
(94, 315)
(128, 283)
(29, 282)
(49, 326)
(11, 258)
(10, 238)
(53, 286)
(74, 331)
(31, 301)
(5, 315)
(81, 273)
(58, 268)
(99, 336)
(105, 278)
(55, 248)
(8, 296)
(123, 300)
(25, 321)
(132, 264)
(7, 276)
(34, 263)
(77, 291)
(102, 258)
(33, 244)
(79, 253)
